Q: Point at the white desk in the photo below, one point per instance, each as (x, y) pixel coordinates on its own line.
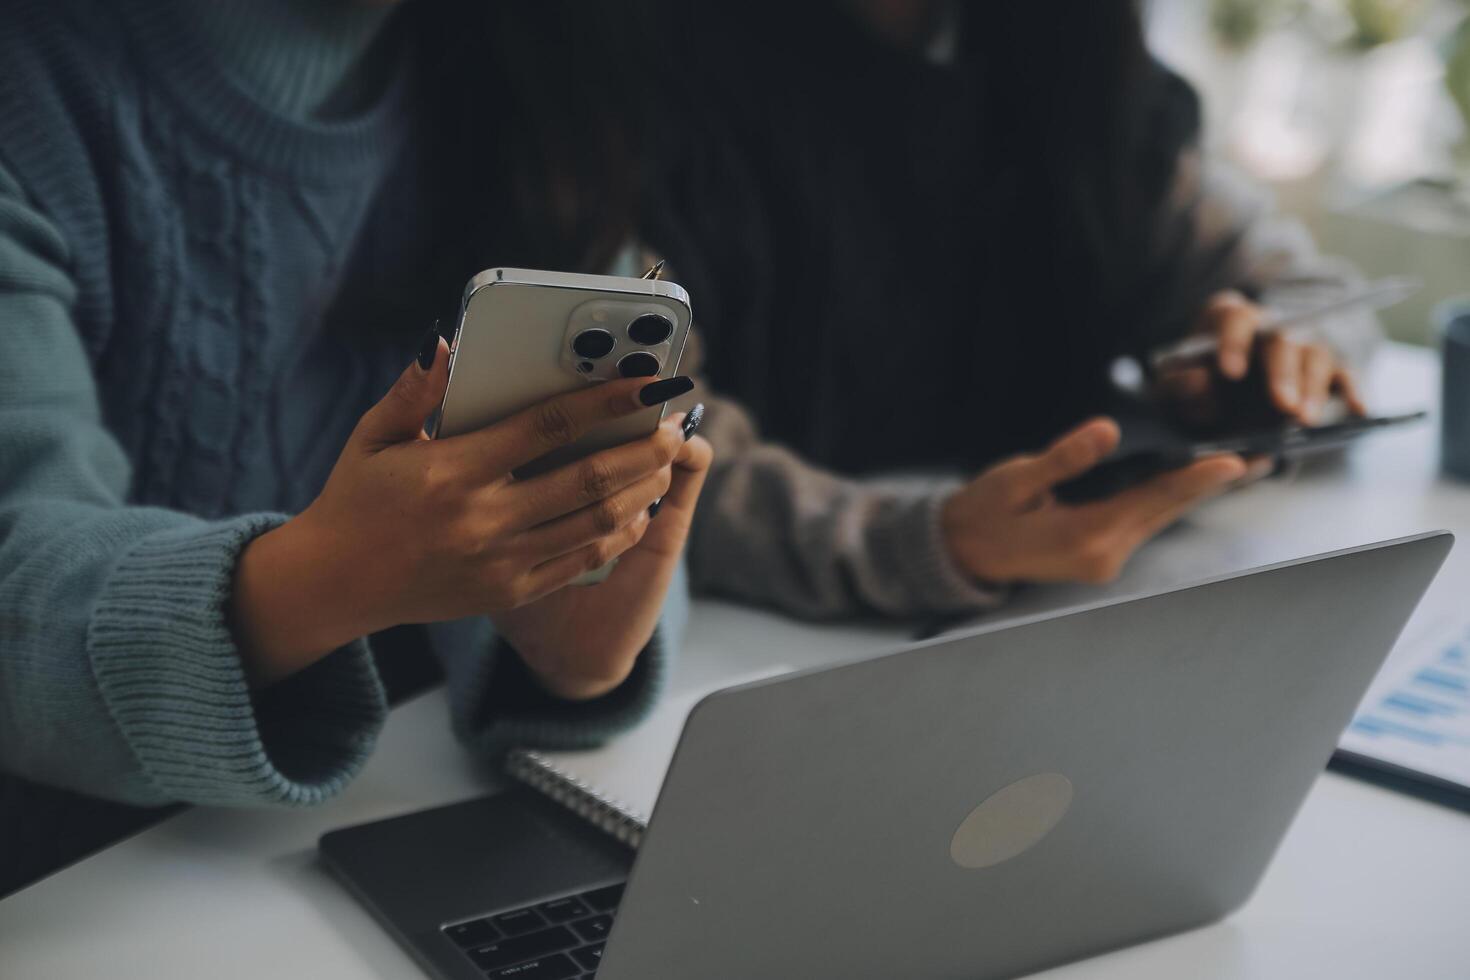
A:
(1367, 885)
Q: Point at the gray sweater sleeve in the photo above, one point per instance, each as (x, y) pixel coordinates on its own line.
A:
(119, 676)
(775, 529)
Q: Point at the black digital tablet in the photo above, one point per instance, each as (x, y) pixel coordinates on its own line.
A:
(1137, 460)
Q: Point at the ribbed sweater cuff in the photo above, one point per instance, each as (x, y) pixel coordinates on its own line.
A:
(517, 711)
(170, 673)
(914, 548)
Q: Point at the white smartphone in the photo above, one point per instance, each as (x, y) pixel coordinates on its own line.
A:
(524, 336)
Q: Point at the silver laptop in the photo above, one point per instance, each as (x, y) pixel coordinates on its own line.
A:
(980, 805)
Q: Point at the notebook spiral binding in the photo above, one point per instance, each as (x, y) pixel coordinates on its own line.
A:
(607, 814)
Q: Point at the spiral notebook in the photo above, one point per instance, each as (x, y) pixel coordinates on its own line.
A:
(615, 787)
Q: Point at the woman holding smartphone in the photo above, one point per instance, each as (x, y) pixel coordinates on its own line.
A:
(224, 231)
(921, 231)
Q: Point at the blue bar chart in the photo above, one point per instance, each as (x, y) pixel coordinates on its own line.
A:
(1417, 715)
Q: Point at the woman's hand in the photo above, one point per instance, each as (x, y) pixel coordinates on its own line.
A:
(411, 530)
(1006, 526)
(582, 642)
(1297, 377)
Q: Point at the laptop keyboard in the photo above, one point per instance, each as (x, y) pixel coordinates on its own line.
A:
(556, 940)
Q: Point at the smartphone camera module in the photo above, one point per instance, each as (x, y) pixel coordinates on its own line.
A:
(650, 329)
(639, 364)
(592, 344)
(619, 336)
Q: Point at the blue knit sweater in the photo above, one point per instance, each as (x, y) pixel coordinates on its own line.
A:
(179, 366)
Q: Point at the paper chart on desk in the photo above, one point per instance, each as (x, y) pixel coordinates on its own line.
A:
(615, 787)
(1417, 713)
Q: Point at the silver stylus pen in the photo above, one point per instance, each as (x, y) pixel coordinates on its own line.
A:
(1373, 296)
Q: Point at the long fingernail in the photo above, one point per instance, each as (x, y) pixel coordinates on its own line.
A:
(429, 347)
(1311, 410)
(1287, 393)
(693, 420)
(1234, 365)
(661, 391)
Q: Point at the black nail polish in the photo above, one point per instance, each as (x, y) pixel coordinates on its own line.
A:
(693, 420)
(661, 391)
(429, 347)
(691, 425)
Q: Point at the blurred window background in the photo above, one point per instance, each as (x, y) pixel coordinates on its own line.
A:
(1356, 112)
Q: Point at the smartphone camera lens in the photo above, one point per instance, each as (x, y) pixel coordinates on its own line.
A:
(639, 364)
(650, 329)
(592, 344)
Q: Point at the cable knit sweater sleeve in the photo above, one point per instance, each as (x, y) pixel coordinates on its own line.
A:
(118, 673)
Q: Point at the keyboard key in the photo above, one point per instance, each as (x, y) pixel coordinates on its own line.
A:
(604, 899)
(519, 921)
(594, 929)
(563, 909)
(476, 933)
(519, 949)
(589, 956)
(556, 967)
